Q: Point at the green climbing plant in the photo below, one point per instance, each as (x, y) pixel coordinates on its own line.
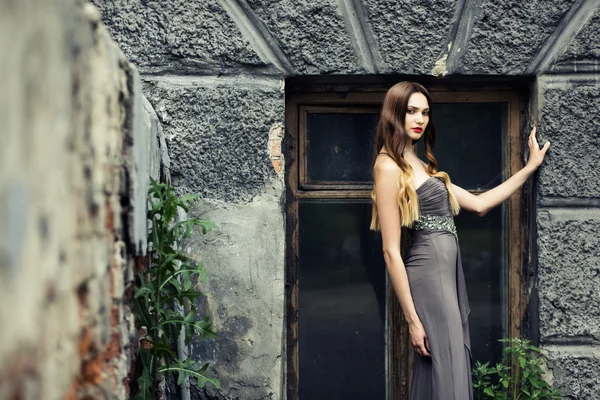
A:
(518, 377)
(165, 284)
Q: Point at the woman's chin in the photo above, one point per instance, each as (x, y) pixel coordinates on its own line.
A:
(414, 137)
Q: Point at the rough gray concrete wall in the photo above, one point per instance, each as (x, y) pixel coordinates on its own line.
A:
(73, 165)
(286, 38)
(225, 155)
(568, 245)
(212, 71)
(220, 152)
(228, 157)
(178, 36)
(585, 46)
(411, 36)
(245, 292)
(569, 273)
(508, 35)
(573, 170)
(300, 26)
(576, 368)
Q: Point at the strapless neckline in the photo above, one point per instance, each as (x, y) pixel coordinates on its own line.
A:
(424, 183)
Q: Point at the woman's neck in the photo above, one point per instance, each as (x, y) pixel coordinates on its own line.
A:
(409, 149)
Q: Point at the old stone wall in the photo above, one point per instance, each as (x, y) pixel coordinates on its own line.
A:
(568, 246)
(75, 154)
(214, 72)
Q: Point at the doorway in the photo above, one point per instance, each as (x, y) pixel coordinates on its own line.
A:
(346, 336)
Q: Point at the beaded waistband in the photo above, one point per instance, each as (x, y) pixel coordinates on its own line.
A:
(436, 223)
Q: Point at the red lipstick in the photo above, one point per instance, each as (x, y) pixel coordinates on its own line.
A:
(418, 130)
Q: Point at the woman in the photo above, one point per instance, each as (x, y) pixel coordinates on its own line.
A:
(429, 281)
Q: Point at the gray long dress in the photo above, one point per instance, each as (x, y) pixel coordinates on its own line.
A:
(437, 284)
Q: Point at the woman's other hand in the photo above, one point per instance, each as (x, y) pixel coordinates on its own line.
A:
(536, 155)
(418, 338)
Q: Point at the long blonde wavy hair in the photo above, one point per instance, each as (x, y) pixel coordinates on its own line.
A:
(391, 137)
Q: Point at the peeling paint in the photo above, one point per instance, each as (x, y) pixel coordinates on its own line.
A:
(274, 149)
(440, 66)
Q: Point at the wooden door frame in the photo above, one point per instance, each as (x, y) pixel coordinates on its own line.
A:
(296, 188)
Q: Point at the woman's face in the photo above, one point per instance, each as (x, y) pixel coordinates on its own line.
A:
(417, 116)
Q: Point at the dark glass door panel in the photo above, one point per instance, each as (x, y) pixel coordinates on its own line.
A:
(342, 302)
(469, 143)
(340, 146)
(485, 267)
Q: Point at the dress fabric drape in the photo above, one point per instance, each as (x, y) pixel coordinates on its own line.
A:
(437, 284)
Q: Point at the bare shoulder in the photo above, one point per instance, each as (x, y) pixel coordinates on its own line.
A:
(385, 167)
(385, 163)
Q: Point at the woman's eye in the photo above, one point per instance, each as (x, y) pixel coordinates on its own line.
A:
(410, 111)
(426, 113)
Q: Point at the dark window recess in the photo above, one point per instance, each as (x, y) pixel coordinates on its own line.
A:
(469, 145)
(340, 146)
(342, 302)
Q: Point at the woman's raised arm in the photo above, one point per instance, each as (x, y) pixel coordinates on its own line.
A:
(481, 204)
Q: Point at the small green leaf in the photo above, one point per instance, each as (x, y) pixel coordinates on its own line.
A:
(188, 368)
(145, 385)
